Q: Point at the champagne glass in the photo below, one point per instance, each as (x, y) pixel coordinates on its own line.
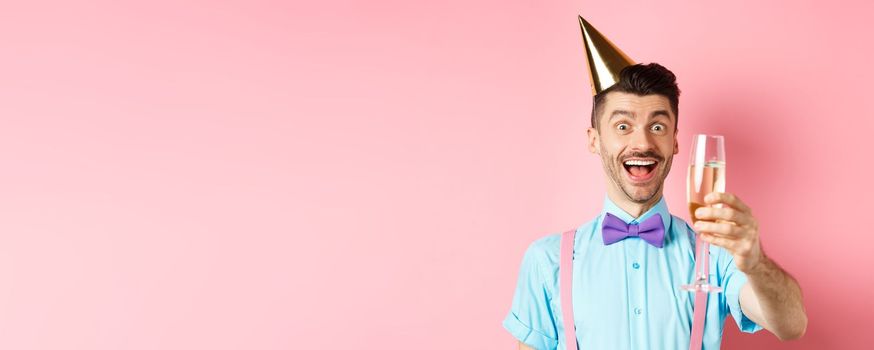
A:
(706, 174)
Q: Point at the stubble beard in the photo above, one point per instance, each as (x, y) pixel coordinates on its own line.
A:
(614, 169)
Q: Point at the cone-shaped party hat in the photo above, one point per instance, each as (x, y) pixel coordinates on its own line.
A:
(604, 59)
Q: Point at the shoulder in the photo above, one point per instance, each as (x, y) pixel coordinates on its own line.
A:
(544, 251)
(542, 256)
(679, 224)
(683, 228)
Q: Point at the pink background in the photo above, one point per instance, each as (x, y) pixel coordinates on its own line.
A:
(367, 174)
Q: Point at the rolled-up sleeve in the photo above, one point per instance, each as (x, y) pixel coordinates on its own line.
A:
(530, 319)
(733, 281)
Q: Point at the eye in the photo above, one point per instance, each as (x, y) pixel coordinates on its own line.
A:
(622, 127)
(657, 127)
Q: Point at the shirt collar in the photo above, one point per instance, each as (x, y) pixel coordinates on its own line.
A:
(660, 208)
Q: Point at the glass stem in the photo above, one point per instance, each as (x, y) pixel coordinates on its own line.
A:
(702, 265)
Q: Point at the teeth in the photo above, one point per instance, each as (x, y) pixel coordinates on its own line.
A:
(639, 162)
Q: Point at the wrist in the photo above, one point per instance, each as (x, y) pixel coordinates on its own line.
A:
(760, 267)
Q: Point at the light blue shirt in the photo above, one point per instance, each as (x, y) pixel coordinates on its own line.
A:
(626, 295)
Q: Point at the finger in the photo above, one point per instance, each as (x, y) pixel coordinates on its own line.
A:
(722, 229)
(726, 243)
(728, 214)
(726, 198)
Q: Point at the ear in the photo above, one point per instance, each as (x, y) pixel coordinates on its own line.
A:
(676, 142)
(594, 144)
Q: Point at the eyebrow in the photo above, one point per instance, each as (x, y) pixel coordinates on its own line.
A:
(619, 112)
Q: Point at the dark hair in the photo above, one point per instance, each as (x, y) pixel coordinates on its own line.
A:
(641, 80)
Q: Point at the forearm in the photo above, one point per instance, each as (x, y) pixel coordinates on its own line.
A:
(779, 297)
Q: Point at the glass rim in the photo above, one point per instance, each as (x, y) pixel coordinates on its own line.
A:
(709, 135)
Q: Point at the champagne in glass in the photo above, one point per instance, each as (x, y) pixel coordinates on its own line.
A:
(706, 174)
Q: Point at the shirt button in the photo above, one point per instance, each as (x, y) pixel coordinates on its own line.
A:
(635, 266)
(637, 311)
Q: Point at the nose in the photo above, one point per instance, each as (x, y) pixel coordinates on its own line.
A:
(641, 140)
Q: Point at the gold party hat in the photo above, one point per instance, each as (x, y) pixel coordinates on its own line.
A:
(604, 59)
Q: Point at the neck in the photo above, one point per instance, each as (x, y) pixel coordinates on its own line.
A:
(635, 209)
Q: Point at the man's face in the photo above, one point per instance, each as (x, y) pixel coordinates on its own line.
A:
(637, 141)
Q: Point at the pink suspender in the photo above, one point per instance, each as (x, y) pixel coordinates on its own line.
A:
(566, 257)
(700, 303)
(565, 270)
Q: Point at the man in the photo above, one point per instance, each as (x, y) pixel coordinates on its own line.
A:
(626, 293)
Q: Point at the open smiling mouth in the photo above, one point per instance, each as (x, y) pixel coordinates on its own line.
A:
(640, 170)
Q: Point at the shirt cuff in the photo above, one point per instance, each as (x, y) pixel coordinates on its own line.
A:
(747, 325)
(744, 323)
(529, 336)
